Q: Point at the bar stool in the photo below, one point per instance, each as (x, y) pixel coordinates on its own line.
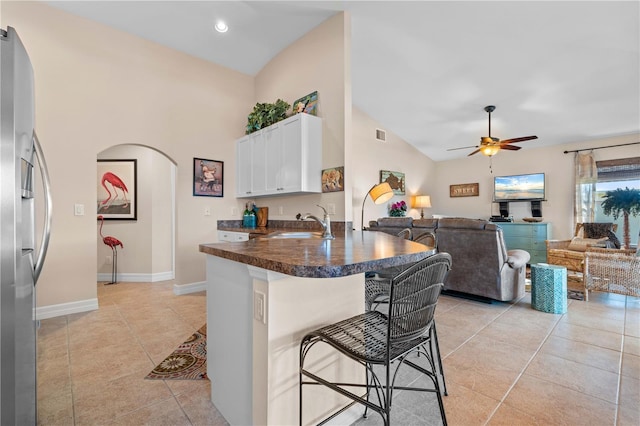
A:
(375, 339)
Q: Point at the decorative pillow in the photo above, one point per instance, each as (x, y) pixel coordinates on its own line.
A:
(613, 240)
(580, 244)
(596, 229)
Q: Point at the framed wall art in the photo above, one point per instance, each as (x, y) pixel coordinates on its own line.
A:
(307, 104)
(117, 189)
(208, 176)
(464, 190)
(394, 179)
(333, 179)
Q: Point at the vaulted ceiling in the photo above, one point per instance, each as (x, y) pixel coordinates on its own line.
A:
(565, 71)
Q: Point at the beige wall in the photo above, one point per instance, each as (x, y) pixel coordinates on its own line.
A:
(163, 217)
(97, 87)
(147, 241)
(317, 61)
(371, 156)
(558, 169)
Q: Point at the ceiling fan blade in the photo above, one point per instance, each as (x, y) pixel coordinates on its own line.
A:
(522, 139)
(464, 147)
(510, 147)
(474, 152)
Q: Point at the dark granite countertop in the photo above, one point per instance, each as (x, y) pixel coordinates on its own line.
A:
(351, 252)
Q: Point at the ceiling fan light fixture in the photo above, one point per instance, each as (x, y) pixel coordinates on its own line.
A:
(490, 150)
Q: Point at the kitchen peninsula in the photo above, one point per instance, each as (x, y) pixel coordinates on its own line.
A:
(263, 295)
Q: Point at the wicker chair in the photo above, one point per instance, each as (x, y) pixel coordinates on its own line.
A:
(559, 253)
(375, 339)
(613, 271)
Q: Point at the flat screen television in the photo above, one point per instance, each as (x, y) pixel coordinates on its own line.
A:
(527, 187)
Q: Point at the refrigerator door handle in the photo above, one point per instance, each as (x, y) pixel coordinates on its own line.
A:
(42, 253)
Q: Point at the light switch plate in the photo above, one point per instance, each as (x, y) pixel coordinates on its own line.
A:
(78, 209)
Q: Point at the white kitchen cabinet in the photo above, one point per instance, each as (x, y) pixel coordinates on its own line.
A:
(232, 236)
(244, 170)
(273, 144)
(285, 158)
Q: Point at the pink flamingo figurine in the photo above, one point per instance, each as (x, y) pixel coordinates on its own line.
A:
(112, 242)
(115, 182)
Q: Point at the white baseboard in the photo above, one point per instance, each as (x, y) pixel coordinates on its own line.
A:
(52, 311)
(139, 278)
(180, 289)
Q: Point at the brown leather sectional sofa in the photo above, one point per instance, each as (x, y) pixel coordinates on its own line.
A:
(482, 266)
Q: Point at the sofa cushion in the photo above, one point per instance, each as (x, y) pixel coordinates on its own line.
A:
(581, 244)
(425, 223)
(400, 222)
(463, 223)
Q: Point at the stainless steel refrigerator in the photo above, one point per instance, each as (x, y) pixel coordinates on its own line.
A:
(21, 261)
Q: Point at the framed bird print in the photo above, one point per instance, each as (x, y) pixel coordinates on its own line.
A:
(117, 189)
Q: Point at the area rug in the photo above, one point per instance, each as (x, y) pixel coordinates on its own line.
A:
(188, 362)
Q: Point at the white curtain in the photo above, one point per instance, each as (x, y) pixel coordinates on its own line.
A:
(586, 176)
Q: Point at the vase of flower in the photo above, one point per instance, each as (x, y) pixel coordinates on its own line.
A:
(398, 209)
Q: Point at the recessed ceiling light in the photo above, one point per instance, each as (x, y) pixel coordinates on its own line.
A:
(221, 27)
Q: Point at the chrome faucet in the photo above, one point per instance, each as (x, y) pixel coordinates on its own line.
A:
(326, 223)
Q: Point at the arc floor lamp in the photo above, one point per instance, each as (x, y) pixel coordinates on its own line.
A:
(379, 194)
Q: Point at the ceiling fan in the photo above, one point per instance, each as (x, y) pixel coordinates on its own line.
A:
(489, 145)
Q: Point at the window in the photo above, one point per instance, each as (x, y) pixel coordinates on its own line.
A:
(613, 174)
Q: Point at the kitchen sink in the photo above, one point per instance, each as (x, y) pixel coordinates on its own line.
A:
(294, 235)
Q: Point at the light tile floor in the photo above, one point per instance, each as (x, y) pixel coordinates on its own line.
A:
(505, 363)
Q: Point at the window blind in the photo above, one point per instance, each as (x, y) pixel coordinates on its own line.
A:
(618, 170)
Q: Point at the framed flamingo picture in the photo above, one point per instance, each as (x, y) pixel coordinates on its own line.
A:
(117, 189)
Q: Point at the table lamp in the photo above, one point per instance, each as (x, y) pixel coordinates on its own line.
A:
(422, 202)
(379, 194)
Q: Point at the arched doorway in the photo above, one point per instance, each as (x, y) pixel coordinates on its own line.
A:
(149, 240)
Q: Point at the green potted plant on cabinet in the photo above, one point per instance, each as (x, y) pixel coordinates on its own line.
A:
(266, 114)
(622, 201)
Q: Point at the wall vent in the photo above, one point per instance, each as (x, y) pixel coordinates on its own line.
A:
(381, 135)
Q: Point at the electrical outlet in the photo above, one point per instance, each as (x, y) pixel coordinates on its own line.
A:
(108, 259)
(234, 211)
(280, 210)
(207, 211)
(331, 208)
(259, 307)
